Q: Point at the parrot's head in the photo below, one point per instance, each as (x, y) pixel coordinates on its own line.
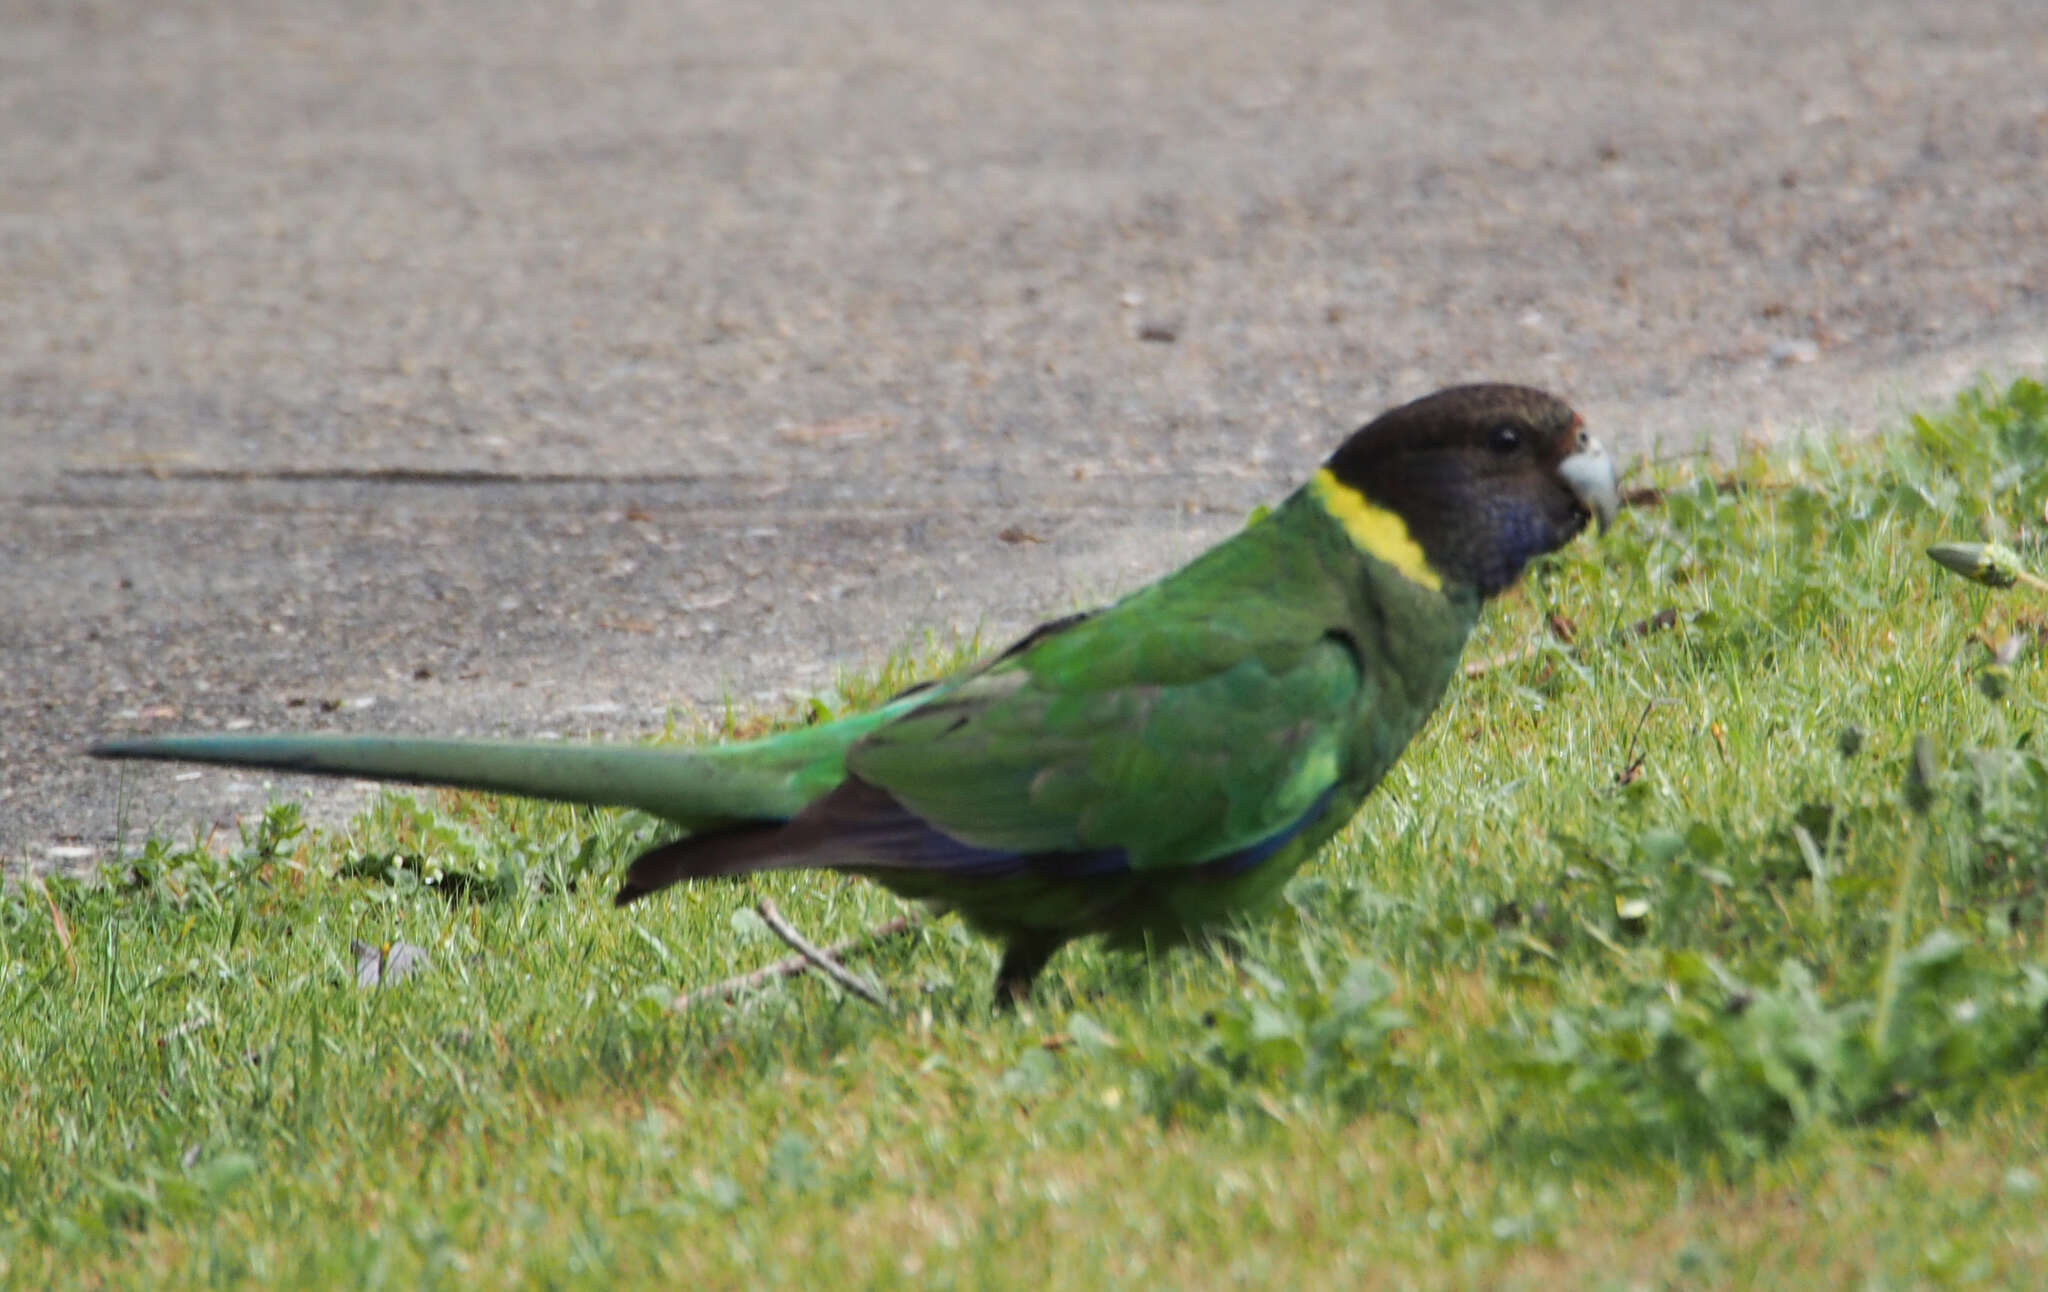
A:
(1483, 478)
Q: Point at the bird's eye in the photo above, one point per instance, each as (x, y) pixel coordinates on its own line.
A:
(1504, 440)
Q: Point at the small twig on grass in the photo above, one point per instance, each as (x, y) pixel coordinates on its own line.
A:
(798, 963)
(1560, 628)
(1651, 496)
(1636, 758)
(1665, 618)
(824, 964)
(200, 1019)
(63, 928)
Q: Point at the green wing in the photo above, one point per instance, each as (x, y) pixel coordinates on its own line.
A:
(1106, 736)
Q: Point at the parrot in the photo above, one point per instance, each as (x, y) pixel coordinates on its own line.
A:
(1144, 772)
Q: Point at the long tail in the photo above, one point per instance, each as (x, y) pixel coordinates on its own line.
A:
(700, 789)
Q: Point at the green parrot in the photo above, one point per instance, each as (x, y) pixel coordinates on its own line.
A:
(1143, 771)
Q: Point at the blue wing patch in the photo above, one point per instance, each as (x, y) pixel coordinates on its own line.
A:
(888, 836)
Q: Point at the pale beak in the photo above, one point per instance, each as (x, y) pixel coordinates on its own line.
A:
(1590, 476)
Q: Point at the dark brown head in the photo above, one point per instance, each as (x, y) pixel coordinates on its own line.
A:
(1485, 478)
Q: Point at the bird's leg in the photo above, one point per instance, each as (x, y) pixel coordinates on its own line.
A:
(1023, 958)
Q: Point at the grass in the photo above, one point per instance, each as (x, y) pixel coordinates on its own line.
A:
(1663, 959)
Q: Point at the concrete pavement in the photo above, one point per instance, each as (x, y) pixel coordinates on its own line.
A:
(473, 368)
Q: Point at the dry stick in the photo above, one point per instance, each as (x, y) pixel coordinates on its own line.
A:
(795, 964)
(1481, 667)
(1649, 496)
(193, 1024)
(1665, 618)
(63, 928)
(825, 964)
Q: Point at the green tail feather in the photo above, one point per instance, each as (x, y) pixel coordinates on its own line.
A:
(697, 789)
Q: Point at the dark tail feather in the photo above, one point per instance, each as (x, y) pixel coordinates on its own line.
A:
(741, 850)
(857, 826)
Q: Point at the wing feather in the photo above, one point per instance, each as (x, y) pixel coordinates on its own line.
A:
(1020, 761)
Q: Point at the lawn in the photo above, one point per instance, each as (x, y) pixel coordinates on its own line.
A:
(1694, 948)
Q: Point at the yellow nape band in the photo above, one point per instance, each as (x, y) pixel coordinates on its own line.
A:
(1377, 531)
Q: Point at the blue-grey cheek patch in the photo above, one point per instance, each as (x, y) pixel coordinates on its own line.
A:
(1520, 534)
